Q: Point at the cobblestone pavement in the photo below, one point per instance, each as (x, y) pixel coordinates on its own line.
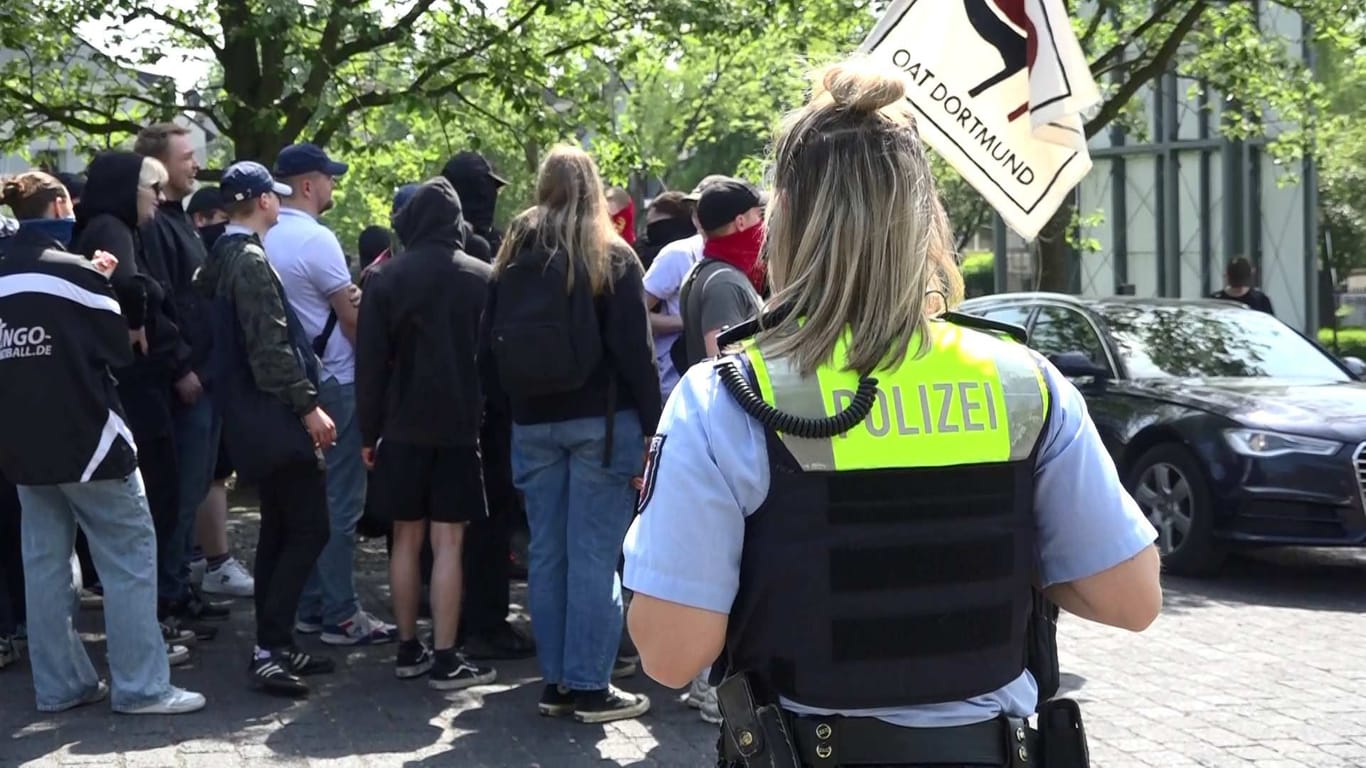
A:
(1263, 667)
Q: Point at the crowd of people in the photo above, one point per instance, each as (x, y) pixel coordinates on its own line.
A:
(158, 337)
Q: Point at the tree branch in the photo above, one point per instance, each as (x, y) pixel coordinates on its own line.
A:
(1159, 14)
(299, 106)
(385, 36)
(337, 119)
(1102, 6)
(70, 116)
(1141, 76)
(690, 125)
(197, 33)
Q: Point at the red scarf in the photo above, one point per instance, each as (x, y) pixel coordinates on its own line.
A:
(625, 221)
(741, 250)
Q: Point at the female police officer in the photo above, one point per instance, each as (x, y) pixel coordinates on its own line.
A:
(851, 513)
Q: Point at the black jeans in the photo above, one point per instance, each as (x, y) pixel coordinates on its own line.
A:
(488, 542)
(11, 561)
(294, 528)
(160, 468)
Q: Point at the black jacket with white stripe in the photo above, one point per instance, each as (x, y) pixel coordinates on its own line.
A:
(61, 330)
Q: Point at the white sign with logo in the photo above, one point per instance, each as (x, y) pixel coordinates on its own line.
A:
(999, 87)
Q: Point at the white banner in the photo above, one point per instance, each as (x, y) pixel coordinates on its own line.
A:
(1000, 87)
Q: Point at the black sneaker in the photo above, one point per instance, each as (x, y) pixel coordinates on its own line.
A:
(504, 642)
(276, 675)
(414, 659)
(452, 672)
(609, 705)
(556, 701)
(304, 664)
(624, 668)
(196, 608)
(174, 635)
(202, 631)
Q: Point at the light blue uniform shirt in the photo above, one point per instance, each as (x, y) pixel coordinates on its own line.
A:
(712, 472)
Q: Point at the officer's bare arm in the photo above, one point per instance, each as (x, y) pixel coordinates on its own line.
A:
(676, 642)
(1128, 596)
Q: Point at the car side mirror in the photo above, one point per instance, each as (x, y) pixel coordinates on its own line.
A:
(1355, 365)
(1076, 365)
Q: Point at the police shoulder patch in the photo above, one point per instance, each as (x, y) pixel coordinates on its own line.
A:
(652, 457)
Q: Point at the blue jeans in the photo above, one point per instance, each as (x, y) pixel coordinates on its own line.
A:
(197, 430)
(331, 589)
(578, 511)
(118, 524)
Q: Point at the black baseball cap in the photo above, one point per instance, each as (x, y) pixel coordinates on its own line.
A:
(74, 183)
(696, 193)
(247, 180)
(297, 159)
(470, 165)
(204, 200)
(722, 201)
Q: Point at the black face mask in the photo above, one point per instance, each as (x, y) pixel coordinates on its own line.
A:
(212, 232)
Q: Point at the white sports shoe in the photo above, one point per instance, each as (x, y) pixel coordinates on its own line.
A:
(197, 568)
(361, 629)
(177, 702)
(230, 578)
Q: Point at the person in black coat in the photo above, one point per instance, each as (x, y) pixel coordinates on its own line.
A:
(123, 191)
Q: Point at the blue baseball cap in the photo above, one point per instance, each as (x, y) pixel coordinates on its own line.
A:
(401, 197)
(248, 180)
(297, 159)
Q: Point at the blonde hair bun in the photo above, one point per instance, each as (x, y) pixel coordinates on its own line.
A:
(859, 85)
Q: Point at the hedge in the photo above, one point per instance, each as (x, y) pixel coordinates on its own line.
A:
(979, 275)
(1351, 341)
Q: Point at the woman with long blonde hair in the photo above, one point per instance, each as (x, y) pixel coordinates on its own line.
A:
(567, 342)
(851, 511)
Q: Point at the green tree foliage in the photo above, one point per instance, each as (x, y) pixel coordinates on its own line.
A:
(1342, 156)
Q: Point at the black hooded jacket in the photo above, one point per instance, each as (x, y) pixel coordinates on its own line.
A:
(659, 234)
(416, 378)
(479, 199)
(174, 251)
(107, 220)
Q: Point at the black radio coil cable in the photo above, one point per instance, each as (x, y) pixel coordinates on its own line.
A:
(799, 426)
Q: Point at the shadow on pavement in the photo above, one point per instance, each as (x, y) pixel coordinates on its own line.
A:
(1310, 579)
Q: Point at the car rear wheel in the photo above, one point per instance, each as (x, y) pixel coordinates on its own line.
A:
(1171, 489)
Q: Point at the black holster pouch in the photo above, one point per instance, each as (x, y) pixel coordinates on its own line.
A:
(1062, 735)
(757, 733)
(1041, 654)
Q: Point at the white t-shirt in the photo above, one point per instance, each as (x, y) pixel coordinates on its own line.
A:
(664, 281)
(312, 267)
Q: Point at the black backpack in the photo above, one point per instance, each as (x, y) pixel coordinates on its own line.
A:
(546, 340)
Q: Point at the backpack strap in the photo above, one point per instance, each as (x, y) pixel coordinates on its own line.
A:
(320, 341)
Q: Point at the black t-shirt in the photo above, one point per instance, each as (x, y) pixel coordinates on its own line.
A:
(1253, 298)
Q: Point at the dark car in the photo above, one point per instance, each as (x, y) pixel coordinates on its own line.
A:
(1228, 426)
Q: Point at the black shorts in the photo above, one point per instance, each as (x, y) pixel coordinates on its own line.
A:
(223, 469)
(444, 484)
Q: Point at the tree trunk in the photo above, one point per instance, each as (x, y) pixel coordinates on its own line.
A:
(1055, 257)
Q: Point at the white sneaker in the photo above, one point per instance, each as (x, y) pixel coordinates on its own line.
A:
(177, 702)
(197, 568)
(698, 691)
(229, 578)
(710, 710)
(361, 629)
(177, 655)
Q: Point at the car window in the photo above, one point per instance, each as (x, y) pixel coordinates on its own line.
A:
(1193, 341)
(1014, 314)
(1058, 329)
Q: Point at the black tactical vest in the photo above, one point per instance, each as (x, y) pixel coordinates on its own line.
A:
(895, 586)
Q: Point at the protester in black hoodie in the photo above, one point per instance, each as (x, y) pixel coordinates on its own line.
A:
(478, 186)
(485, 629)
(668, 219)
(418, 390)
(123, 190)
